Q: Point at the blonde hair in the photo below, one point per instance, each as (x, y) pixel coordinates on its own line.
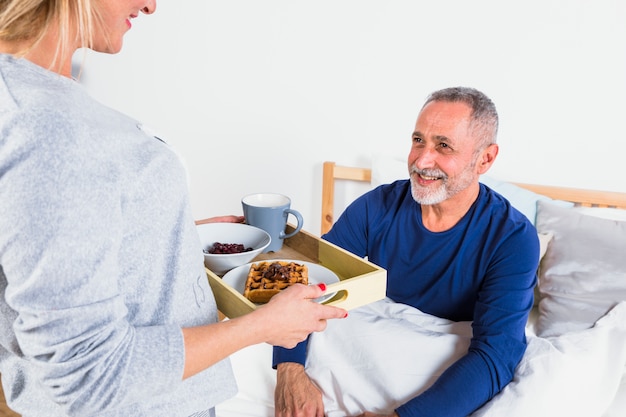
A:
(27, 21)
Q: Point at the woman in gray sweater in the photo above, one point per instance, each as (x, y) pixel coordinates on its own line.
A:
(105, 308)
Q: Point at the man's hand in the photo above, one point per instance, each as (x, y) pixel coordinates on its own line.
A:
(295, 394)
(222, 219)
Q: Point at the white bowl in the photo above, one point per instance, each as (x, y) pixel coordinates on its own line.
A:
(233, 233)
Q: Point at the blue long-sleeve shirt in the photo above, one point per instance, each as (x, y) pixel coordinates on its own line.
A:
(483, 269)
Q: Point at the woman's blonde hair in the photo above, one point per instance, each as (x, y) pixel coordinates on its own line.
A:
(26, 22)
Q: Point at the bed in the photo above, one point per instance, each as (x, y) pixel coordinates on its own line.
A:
(575, 363)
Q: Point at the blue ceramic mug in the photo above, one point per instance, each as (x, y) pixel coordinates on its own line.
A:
(269, 211)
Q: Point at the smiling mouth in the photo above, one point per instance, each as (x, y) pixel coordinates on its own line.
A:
(428, 177)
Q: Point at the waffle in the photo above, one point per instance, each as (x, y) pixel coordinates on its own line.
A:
(268, 278)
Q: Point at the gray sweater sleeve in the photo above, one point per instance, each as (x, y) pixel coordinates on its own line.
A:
(100, 257)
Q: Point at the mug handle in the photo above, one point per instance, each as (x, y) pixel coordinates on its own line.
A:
(299, 224)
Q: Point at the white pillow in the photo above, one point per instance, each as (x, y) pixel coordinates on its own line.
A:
(583, 273)
(603, 212)
(544, 241)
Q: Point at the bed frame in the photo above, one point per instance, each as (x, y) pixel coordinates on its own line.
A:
(588, 198)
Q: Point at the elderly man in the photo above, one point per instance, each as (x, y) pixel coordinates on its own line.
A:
(452, 248)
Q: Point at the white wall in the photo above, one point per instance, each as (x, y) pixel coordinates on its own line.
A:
(256, 94)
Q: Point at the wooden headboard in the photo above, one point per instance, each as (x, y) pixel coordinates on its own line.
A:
(581, 197)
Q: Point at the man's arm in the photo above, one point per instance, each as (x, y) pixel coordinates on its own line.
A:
(498, 341)
(295, 393)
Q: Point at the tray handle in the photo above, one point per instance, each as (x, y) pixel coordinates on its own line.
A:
(358, 291)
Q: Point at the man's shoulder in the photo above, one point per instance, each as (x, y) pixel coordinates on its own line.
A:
(499, 218)
(394, 190)
(494, 204)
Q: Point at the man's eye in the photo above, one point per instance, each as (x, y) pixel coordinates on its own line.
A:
(445, 148)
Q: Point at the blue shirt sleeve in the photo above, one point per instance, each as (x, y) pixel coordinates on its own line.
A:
(296, 354)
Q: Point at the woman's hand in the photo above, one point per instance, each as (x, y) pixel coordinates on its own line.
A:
(222, 219)
(291, 315)
(285, 321)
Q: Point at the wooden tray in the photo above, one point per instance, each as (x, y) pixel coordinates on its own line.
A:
(360, 282)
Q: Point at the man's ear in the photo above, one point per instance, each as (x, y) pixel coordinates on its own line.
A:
(487, 158)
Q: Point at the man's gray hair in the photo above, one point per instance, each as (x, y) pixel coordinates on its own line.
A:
(484, 117)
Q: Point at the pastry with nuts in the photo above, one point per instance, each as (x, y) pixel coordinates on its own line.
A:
(266, 279)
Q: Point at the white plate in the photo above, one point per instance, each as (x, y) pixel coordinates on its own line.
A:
(236, 277)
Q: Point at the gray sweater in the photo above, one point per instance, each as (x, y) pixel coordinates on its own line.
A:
(100, 261)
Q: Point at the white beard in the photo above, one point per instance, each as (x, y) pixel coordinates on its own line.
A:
(447, 189)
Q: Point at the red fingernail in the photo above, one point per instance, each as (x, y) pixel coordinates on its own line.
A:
(322, 286)
(346, 315)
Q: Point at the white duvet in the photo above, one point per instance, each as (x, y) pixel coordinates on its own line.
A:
(385, 353)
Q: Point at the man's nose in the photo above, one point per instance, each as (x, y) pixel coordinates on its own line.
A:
(425, 158)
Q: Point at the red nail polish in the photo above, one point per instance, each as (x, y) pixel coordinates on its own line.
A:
(322, 286)
(346, 315)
